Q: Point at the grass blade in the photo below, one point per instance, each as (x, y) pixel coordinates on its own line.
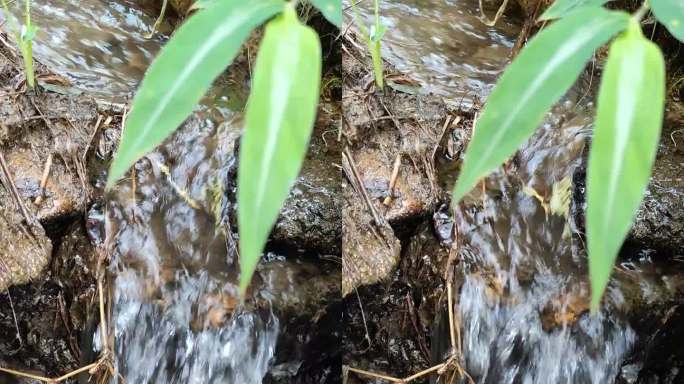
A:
(671, 14)
(543, 71)
(182, 73)
(280, 115)
(628, 122)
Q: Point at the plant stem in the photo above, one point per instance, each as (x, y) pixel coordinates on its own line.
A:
(26, 44)
(377, 15)
(9, 17)
(642, 11)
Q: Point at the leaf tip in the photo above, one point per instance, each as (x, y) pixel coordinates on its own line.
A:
(595, 302)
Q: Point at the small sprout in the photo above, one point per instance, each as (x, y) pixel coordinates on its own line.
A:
(24, 36)
(374, 39)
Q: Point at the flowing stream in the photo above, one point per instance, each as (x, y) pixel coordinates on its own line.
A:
(176, 317)
(524, 293)
(524, 299)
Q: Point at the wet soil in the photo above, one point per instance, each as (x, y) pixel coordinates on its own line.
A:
(48, 307)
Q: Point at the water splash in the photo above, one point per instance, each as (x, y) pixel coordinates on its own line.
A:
(506, 343)
(156, 343)
(525, 294)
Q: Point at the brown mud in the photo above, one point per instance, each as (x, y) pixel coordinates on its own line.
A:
(51, 147)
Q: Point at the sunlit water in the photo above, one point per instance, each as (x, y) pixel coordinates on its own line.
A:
(443, 44)
(99, 45)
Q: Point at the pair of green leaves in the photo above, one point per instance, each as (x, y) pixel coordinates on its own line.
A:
(668, 12)
(280, 112)
(627, 125)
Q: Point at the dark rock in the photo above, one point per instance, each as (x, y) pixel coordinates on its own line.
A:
(664, 352)
(659, 223)
(74, 267)
(311, 216)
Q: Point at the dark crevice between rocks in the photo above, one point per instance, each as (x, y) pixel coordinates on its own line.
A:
(52, 312)
(402, 312)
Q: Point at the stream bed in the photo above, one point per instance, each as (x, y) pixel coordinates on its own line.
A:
(354, 272)
(168, 229)
(522, 291)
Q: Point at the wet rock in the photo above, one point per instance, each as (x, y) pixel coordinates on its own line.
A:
(530, 7)
(299, 288)
(659, 223)
(394, 138)
(305, 297)
(564, 310)
(311, 216)
(181, 6)
(413, 194)
(664, 353)
(24, 251)
(370, 251)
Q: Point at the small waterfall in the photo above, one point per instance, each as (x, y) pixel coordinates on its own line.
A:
(525, 295)
(156, 344)
(506, 343)
(177, 318)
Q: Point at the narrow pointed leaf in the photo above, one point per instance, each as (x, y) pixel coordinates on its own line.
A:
(543, 71)
(671, 14)
(280, 115)
(560, 8)
(331, 9)
(182, 73)
(627, 129)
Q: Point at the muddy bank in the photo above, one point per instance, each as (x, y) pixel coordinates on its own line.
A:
(51, 146)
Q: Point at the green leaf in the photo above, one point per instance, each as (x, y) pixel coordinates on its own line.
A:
(331, 9)
(671, 14)
(627, 129)
(537, 78)
(182, 73)
(28, 33)
(560, 8)
(377, 34)
(280, 116)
